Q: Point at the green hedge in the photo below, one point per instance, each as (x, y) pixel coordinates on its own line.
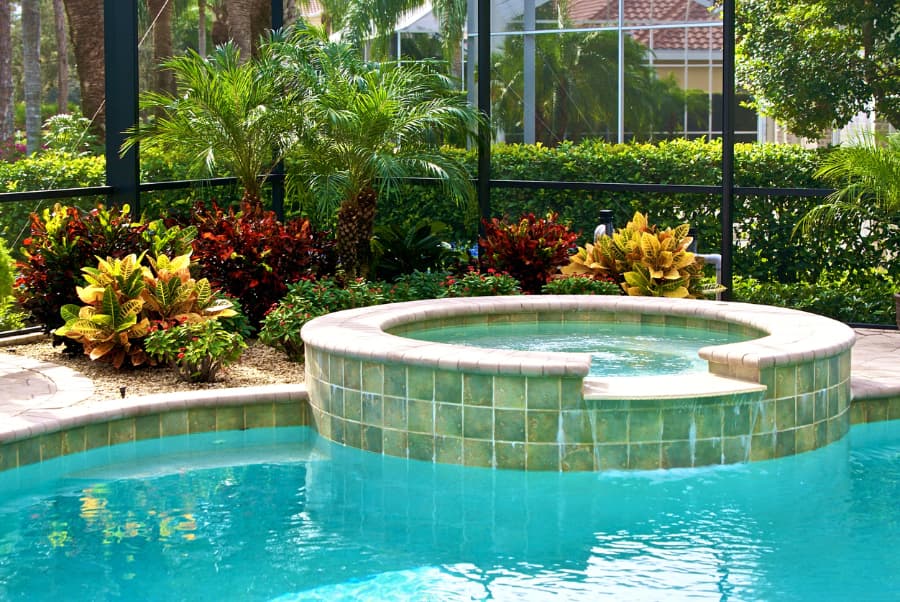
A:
(764, 246)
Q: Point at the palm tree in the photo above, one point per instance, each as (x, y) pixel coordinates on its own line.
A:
(31, 65)
(224, 114)
(7, 127)
(868, 176)
(370, 126)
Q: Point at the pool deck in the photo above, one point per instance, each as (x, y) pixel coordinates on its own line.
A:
(35, 392)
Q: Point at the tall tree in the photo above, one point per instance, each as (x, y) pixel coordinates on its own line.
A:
(86, 29)
(160, 12)
(816, 64)
(7, 125)
(62, 57)
(31, 63)
(201, 27)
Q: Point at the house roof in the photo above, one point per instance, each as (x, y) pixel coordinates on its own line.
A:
(596, 13)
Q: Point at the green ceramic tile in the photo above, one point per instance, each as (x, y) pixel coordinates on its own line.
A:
(122, 431)
(820, 405)
(844, 366)
(736, 420)
(395, 413)
(708, 419)
(894, 408)
(542, 393)
(510, 456)
(29, 451)
(201, 420)
(858, 412)
(876, 410)
(542, 427)
(51, 446)
(523, 317)
(785, 413)
(676, 454)
(394, 443)
(498, 319)
(707, 452)
(322, 422)
(785, 381)
(550, 317)
(73, 441)
(843, 396)
(785, 443)
(449, 417)
(372, 378)
(675, 321)
(821, 433)
(478, 453)
(644, 404)
(834, 371)
(448, 386)
(336, 433)
(806, 409)
(395, 380)
(259, 416)
(448, 450)
(571, 397)
(478, 422)
(478, 389)
(831, 397)
(288, 414)
(542, 456)
(97, 435)
(336, 370)
(509, 425)
(576, 426)
(372, 439)
(9, 456)
(352, 405)
(509, 392)
(736, 449)
(146, 427)
(767, 378)
(677, 424)
(421, 447)
(612, 426)
(420, 383)
(806, 377)
(644, 456)
(843, 423)
(372, 409)
(577, 458)
(352, 374)
(420, 416)
(762, 447)
(335, 400)
(820, 374)
(612, 457)
(653, 319)
(352, 434)
(645, 426)
(805, 438)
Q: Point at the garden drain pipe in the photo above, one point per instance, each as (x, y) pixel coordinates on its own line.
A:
(715, 259)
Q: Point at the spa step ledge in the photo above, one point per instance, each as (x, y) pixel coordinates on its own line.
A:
(664, 387)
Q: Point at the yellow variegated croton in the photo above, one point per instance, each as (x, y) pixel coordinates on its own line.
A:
(645, 261)
(125, 300)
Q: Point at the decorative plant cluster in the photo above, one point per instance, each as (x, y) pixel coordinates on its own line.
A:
(530, 249)
(196, 350)
(477, 284)
(254, 257)
(125, 300)
(10, 318)
(581, 284)
(645, 261)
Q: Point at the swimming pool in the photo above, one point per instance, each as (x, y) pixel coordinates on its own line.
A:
(283, 514)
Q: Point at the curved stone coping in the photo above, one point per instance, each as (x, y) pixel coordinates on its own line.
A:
(665, 387)
(791, 336)
(40, 421)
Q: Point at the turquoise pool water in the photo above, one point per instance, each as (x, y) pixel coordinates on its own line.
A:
(284, 515)
(617, 349)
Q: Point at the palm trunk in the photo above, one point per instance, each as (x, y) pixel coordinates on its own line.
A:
(7, 127)
(31, 65)
(355, 223)
(239, 28)
(62, 58)
(86, 29)
(201, 27)
(161, 16)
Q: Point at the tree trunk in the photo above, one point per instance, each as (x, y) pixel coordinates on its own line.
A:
(31, 66)
(355, 223)
(62, 58)
(86, 29)
(239, 25)
(161, 16)
(7, 125)
(201, 27)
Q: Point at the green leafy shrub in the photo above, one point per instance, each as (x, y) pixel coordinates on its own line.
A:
(254, 257)
(310, 299)
(581, 284)
(10, 318)
(402, 248)
(419, 285)
(196, 350)
(869, 301)
(477, 284)
(530, 250)
(69, 133)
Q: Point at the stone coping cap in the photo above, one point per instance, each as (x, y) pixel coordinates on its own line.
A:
(791, 336)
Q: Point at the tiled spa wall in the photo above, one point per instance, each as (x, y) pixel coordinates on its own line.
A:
(544, 423)
(152, 426)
